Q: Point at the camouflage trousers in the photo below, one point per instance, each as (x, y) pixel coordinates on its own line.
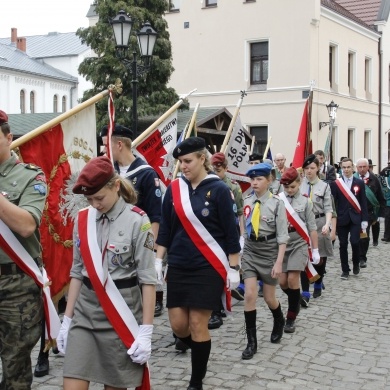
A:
(21, 311)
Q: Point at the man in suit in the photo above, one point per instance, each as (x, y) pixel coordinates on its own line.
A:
(375, 204)
(327, 171)
(351, 206)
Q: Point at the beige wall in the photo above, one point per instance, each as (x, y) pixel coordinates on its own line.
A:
(212, 55)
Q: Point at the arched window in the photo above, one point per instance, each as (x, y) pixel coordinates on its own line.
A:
(63, 103)
(32, 102)
(55, 103)
(22, 102)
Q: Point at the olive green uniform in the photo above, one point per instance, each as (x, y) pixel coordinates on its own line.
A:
(20, 298)
(237, 193)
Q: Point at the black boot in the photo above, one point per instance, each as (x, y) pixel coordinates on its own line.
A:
(42, 367)
(277, 330)
(251, 347)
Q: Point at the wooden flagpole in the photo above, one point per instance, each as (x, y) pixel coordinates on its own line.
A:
(267, 148)
(232, 123)
(153, 126)
(252, 145)
(187, 135)
(60, 118)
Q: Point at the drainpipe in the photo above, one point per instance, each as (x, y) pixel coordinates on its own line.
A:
(380, 105)
(71, 96)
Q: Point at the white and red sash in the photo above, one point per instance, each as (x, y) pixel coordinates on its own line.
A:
(300, 227)
(18, 254)
(111, 300)
(348, 195)
(200, 236)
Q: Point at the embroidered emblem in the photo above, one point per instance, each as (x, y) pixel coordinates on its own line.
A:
(158, 193)
(40, 188)
(235, 208)
(146, 227)
(205, 212)
(116, 259)
(149, 241)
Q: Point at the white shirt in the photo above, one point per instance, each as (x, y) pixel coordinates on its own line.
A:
(348, 181)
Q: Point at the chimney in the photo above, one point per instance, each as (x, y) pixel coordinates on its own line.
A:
(14, 35)
(21, 44)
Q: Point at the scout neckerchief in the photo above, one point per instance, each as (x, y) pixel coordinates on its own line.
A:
(111, 300)
(200, 236)
(300, 227)
(18, 254)
(348, 194)
(370, 196)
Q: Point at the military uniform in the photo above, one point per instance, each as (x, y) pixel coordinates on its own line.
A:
(129, 259)
(237, 193)
(20, 298)
(385, 185)
(275, 187)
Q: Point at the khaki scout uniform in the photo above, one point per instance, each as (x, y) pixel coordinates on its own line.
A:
(20, 298)
(296, 255)
(129, 257)
(321, 198)
(259, 255)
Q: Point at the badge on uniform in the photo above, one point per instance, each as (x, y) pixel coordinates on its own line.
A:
(134, 180)
(149, 241)
(205, 212)
(40, 188)
(158, 193)
(247, 211)
(235, 208)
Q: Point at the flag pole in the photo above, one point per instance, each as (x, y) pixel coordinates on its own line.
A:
(60, 118)
(233, 121)
(252, 145)
(187, 135)
(156, 123)
(267, 148)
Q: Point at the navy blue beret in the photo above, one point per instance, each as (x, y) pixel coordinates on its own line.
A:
(261, 169)
(119, 131)
(308, 160)
(189, 145)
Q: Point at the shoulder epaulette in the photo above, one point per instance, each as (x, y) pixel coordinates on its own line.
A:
(138, 210)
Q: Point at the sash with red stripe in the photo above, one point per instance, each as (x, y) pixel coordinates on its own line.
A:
(200, 236)
(18, 254)
(348, 195)
(118, 313)
(300, 227)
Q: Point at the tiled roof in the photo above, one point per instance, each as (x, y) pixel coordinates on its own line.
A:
(15, 60)
(24, 123)
(53, 44)
(336, 7)
(366, 10)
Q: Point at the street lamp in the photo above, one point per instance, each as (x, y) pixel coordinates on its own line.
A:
(121, 26)
(332, 110)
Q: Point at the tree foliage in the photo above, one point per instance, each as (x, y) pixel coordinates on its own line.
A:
(154, 97)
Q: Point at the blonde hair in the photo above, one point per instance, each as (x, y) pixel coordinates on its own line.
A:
(126, 189)
(125, 141)
(207, 162)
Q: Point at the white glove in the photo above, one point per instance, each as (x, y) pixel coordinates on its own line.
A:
(158, 266)
(364, 225)
(233, 279)
(62, 337)
(381, 220)
(141, 349)
(315, 256)
(242, 242)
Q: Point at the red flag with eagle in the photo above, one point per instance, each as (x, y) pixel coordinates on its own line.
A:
(304, 144)
(61, 152)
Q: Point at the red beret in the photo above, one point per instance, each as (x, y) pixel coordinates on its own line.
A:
(218, 158)
(289, 176)
(3, 117)
(94, 176)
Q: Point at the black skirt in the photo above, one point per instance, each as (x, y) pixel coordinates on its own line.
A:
(196, 288)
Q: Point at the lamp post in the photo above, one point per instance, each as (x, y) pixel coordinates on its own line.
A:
(332, 110)
(121, 26)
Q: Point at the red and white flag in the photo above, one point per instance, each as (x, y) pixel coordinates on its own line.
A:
(237, 155)
(156, 149)
(61, 152)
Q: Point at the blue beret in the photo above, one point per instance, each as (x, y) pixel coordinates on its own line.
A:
(119, 131)
(189, 145)
(261, 169)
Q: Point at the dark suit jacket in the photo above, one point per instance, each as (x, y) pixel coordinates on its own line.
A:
(330, 173)
(375, 187)
(345, 211)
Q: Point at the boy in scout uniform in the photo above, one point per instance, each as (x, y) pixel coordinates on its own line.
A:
(23, 193)
(265, 244)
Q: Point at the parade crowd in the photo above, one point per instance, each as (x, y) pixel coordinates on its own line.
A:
(203, 237)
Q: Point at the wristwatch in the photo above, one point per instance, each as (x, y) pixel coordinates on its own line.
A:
(236, 267)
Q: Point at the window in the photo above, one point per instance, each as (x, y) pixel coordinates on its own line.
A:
(367, 75)
(351, 144)
(55, 103)
(22, 102)
(211, 3)
(32, 102)
(63, 103)
(389, 83)
(333, 67)
(351, 73)
(174, 5)
(261, 138)
(367, 143)
(259, 62)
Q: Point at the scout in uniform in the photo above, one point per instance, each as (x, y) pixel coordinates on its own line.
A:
(113, 261)
(22, 199)
(318, 191)
(302, 229)
(265, 244)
